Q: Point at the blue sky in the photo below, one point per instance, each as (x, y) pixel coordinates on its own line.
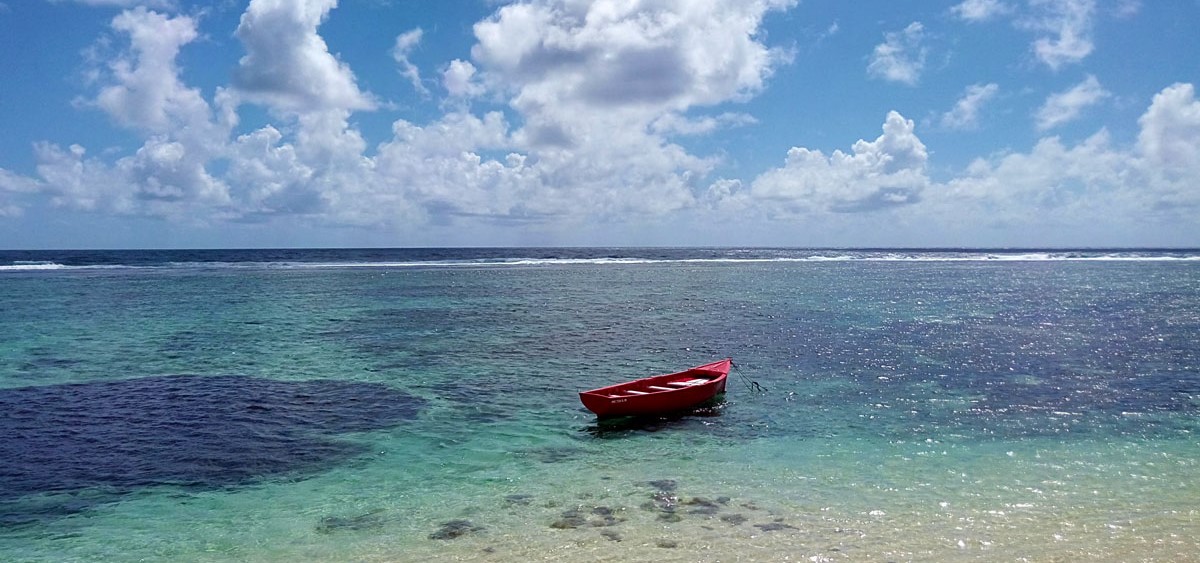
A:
(269, 123)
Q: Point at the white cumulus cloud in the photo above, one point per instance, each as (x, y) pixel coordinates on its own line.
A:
(675, 124)
(1053, 186)
(1094, 185)
(144, 90)
(1073, 193)
(72, 180)
(597, 90)
(460, 80)
(1171, 129)
(643, 60)
(405, 43)
(980, 10)
(901, 57)
(1066, 106)
(287, 65)
(965, 114)
(12, 186)
(1169, 142)
(881, 174)
(1068, 25)
(599, 96)
(599, 85)
(140, 88)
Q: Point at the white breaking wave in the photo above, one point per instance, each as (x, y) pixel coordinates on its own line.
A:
(517, 262)
(478, 263)
(816, 257)
(22, 266)
(41, 266)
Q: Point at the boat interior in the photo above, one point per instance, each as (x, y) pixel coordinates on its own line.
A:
(646, 389)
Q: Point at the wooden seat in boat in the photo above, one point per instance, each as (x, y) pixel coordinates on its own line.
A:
(688, 383)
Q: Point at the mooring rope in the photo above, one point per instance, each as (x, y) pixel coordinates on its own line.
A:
(751, 385)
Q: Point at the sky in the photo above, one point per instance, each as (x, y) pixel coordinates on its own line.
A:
(412, 123)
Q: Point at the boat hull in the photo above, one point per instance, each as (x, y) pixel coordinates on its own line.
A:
(660, 394)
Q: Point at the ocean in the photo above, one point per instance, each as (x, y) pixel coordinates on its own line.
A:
(422, 404)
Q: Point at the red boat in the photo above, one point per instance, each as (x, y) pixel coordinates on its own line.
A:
(659, 394)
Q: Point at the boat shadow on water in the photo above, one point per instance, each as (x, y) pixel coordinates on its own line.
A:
(626, 426)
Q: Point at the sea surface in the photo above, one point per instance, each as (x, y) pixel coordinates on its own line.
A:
(421, 404)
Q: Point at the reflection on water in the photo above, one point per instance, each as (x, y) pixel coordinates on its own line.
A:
(624, 426)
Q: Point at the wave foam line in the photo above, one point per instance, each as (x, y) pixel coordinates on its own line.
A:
(26, 266)
(519, 262)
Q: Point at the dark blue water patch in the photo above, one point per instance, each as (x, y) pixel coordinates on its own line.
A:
(65, 448)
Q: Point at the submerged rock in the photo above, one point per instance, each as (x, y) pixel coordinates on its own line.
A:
(607, 517)
(734, 519)
(576, 517)
(568, 523)
(774, 527)
(556, 454)
(701, 505)
(664, 485)
(665, 501)
(570, 519)
(455, 529)
(372, 520)
(521, 500)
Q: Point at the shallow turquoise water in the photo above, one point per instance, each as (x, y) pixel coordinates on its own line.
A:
(914, 410)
